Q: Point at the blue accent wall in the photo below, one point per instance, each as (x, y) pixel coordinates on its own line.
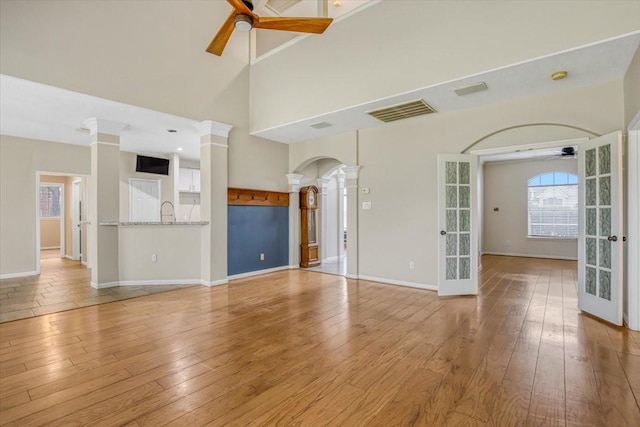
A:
(253, 230)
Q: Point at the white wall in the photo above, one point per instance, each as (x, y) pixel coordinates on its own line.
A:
(398, 164)
(19, 160)
(505, 231)
(631, 109)
(148, 54)
(406, 45)
(177, 248)
(128, 171)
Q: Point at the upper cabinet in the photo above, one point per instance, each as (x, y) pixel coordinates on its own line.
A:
(189, 180)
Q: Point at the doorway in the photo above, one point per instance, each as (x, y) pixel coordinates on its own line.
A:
(571, 209)
(60, 229)
(144, 200)
(333, 222)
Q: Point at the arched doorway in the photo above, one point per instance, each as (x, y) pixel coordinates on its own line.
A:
(328, 175)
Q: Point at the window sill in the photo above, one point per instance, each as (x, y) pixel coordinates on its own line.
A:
(550, 238)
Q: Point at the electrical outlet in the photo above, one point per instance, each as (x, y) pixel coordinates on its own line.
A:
(366, 205)
(412, 265)
(261, 257)
(507, 242)
(154, 258)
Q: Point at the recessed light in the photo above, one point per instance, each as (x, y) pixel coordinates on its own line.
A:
(559, 75)
(172, 130)
(179, 149)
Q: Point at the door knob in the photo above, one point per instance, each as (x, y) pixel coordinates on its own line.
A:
(612, 238)
(442, 232)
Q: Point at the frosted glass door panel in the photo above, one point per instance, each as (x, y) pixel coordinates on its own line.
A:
(458, 242)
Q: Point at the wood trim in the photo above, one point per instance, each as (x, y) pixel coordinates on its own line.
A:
(248, 197)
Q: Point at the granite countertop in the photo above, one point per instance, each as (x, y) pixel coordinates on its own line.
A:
(120, 223)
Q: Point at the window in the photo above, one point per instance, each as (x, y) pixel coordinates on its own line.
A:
(50, 201)
(553, 205)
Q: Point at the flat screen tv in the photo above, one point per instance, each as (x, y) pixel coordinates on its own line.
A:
(152, 165)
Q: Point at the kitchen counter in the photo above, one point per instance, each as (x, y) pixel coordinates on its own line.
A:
(130, 224)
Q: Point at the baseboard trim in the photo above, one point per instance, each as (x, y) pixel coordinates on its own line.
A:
(531, 256)
(85, 263)
(625, 320)
(159, 282)
(400, 283)
(21, 274)
(214, 283)
(42, 248)
(293, 266)
(352, 276)
(259, 272)
(71, 258)
(332, 259)
(105, 285)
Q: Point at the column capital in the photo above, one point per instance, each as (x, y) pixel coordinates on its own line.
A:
(323, 184)
(109, 127)
(351, 172)
(294, 180)
(209, 127)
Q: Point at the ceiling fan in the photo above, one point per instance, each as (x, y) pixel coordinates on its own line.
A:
(569, 152)
(243, 19)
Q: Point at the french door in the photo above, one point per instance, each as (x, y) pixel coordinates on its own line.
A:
(458, 207)
(600, 242)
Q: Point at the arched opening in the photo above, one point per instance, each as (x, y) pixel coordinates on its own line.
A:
(327, 174)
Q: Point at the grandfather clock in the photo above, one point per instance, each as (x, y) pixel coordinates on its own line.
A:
(309, 253)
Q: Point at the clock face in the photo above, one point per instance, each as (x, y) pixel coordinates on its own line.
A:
(312, 198)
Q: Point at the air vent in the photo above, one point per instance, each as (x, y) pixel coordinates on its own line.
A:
(279, 6)
(321, 125)
(402, 111)
(468, 90)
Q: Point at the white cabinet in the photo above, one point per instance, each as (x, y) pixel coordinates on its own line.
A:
(189, 180)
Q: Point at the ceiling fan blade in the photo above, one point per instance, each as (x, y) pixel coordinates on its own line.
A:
(240, 7)
(220, 40)
(301, 25)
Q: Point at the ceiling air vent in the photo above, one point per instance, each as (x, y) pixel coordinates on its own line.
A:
(320, 125)
(402, 111)
(467, 90)
(279, 6)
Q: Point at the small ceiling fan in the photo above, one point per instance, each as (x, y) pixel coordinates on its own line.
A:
(243, 19)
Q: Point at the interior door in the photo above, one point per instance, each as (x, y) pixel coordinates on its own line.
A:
(458, 207)
(600, 223)
(145, 200)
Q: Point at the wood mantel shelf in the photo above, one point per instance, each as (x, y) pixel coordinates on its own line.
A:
(248, 197)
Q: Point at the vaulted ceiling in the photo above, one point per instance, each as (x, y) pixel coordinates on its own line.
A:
(144, 63)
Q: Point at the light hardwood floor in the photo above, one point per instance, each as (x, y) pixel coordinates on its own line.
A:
(305, 348)
(62, 285)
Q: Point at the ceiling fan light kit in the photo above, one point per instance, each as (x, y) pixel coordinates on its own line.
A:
(242, 18)
(243, 22)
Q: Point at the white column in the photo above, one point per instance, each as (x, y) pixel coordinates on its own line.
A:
(294, 180)
(175, 172)
(104, 201)
(340, 180)
(213, 201)
(351, 178)
(323, 220)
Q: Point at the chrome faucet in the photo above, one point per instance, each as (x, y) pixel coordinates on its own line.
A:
(173, 211)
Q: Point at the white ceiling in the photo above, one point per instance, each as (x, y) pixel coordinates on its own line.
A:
(38, 111)
(34, 110)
